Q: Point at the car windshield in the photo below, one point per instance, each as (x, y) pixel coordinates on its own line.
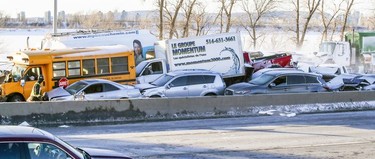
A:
(75, 87)
(162, 80)
(263, 79)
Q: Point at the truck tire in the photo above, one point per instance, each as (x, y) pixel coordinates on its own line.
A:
(16, 98)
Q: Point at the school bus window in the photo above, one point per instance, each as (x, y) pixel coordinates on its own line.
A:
(103, 65)
(74, 68)
(119, 64)
(88, 67)
(58, 69)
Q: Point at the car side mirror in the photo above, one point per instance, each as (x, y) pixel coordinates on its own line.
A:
(168, 86)
(23, 81)
(79, 96)
(272, 85)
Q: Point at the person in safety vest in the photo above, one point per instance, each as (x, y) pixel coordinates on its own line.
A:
(36, 92)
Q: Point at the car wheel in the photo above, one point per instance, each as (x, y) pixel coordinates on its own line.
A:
(210, 94)
(16, 98)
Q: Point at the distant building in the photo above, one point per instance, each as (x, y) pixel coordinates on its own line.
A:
(124, 15)
(61, 16)
(47, 17)
(21, 16)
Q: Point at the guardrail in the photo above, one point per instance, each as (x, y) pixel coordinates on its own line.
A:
(117, 111)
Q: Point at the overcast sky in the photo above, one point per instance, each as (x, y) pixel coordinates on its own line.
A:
(36, 8)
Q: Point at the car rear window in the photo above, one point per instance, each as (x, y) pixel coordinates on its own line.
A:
(209, 79)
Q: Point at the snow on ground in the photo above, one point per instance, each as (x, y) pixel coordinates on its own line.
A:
(287, 110)
(293, 110)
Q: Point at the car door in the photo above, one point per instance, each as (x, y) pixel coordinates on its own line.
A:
(94, 92)
(313, 84)
(196, 85)
(278, 85)
(31, 77)
(151, 72)
(177, 87)
(112, 92)
(296, 84)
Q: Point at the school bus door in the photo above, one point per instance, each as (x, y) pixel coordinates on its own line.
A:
(31, 77)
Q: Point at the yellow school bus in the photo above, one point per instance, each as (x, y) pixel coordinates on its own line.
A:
(67, 65)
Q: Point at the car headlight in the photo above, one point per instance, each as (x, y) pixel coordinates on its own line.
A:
(57, 99)
(61, 99)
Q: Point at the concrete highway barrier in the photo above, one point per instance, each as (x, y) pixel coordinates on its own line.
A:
(133, 110)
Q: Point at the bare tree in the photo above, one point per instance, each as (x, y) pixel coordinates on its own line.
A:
(3, 19)
(109, 22)
(148, 21)
(200, 20)
(327, 20)
(219, 17)
(94, 20)
(75, 20)
(349, 5)
(188, 11)
(255, 10)
(226, 8)
(160, 4)
(334, 27)
(370, 22)
(91, 20)
(312, 6)
(171, 10)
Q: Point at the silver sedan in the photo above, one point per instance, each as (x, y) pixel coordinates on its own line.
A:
(93, 89)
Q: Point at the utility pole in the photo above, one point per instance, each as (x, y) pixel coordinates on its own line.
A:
(55, 17)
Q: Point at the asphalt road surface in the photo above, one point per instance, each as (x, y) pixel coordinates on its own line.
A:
(310, 136)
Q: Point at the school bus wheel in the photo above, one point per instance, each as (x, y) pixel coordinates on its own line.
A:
(16, 98)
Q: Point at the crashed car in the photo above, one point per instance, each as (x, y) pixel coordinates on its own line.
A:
(93, 89)
(369, 87)
(351, 82)
(264, 70)
(329, 71)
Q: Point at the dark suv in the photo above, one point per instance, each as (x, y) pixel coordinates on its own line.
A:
(184, 83)
(291, 81)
